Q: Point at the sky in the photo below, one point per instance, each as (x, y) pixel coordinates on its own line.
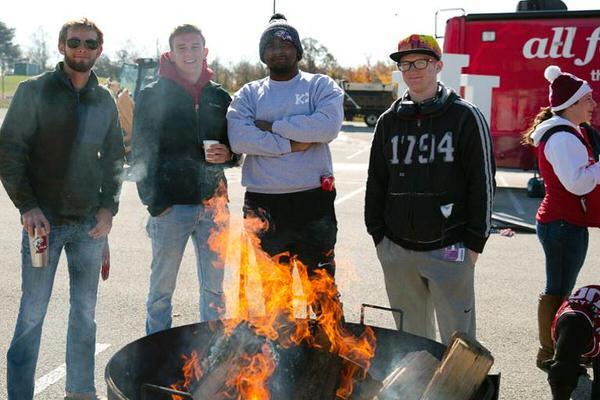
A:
(354, 31)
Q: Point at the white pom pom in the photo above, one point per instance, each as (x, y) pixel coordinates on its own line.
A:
(551, 73)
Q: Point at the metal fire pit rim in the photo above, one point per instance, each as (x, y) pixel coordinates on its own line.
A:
(355, 328)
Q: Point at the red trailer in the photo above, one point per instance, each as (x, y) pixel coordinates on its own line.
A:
(516, 48)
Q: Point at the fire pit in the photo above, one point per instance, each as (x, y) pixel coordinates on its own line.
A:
(142, 368)
(267, 348)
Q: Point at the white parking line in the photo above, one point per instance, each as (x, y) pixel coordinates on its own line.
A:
(349, 195)
(57, 374)
(350, 167)
(513, 199)
(351, 156)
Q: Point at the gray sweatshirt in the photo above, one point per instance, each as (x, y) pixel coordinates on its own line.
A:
(308, 109)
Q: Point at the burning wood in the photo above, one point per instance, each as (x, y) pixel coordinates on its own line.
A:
(241, 365)
(241, 354)
(241, 351)
(191, 372)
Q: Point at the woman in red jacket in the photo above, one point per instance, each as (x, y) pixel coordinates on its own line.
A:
(571, 204)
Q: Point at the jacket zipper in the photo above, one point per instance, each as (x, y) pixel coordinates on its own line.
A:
(196, 112)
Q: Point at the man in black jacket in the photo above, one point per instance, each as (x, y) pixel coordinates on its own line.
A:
(61, 157)
(429, 196)
(179, 175)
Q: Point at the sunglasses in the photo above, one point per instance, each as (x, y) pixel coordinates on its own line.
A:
(91, 44)
(404, 66)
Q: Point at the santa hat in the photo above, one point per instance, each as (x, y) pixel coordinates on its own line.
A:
(565, 89)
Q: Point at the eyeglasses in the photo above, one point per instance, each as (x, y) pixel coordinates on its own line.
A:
(405, 66)
(91, 44)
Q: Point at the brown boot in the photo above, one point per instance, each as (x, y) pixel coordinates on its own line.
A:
(547, 307)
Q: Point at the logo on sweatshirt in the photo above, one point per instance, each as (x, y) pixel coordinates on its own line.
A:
(301, 98)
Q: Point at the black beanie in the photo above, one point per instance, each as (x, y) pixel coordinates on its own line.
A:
(278, 26)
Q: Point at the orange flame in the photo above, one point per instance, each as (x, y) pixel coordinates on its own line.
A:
(348, 372)
(251, 380)
(277, 307)
(191, 372)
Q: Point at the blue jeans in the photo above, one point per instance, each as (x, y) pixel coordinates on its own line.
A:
(84, 257)
(565, 246)
(169, 235)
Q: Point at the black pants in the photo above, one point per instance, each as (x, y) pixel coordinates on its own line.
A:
(301, 223)
(574, 338)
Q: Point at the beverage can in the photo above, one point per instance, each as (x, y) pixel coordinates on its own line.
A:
(328, 183)
(38, 248)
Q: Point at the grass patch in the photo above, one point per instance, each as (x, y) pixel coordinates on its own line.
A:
(10, 85)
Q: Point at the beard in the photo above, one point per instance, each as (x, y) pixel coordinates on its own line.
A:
(282, 65)
(283, 68)
(79, 66)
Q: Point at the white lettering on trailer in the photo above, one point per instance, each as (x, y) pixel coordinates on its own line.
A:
(538, 47)
(595, 75)
(591, 50)
(561, 45)
(566, 45)
(453, 65)
(478, 90)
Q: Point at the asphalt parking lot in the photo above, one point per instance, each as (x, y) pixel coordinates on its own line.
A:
(509, 276)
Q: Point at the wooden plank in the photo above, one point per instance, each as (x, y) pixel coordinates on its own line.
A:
(410, 378)
(462, 370)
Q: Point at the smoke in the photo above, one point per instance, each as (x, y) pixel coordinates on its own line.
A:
(410, 377)
(135, 173)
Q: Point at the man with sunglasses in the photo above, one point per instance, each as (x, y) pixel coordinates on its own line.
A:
(61, 157)
(429, 196)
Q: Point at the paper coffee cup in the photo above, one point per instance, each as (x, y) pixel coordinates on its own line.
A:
(206, 144)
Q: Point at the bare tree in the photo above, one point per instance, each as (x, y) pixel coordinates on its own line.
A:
(127, 54)
(105, 67)
(223, 75)
(316, 58)
(244, 72)
(38, 52)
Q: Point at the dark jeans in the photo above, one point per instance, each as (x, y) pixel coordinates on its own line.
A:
(565, 246)
(301, 223)
(573, 338)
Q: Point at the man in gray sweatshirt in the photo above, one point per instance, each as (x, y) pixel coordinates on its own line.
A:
(284, 124)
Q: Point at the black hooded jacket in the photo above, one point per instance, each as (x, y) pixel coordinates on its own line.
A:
(431, 175)
(168, 130)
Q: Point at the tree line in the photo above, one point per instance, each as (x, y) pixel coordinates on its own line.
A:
(317, 59)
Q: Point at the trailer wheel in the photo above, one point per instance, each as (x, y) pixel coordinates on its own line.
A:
(371, 119)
